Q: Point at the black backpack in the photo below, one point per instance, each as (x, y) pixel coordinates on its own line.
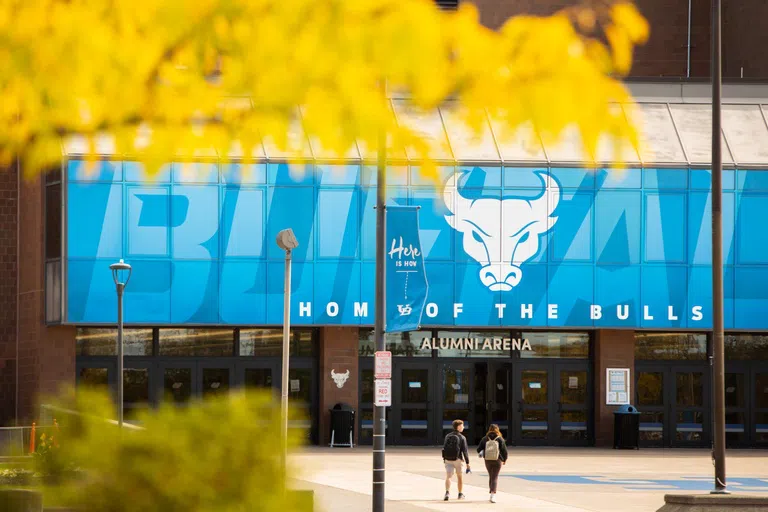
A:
(452, 447)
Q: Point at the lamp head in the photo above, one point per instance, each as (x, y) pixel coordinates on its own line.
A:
(121, 272)
(286, 240)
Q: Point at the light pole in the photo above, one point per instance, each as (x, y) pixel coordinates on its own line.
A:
(286, 240)
(121, 273)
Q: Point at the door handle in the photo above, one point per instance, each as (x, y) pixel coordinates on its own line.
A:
(559, 407)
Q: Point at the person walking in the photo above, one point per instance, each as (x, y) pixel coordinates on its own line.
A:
(455, 450)
(493, 449)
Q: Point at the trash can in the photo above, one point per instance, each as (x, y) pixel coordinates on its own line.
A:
(342, 425)
(626, 428)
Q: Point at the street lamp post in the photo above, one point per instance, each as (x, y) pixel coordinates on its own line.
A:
(286, 240)
(121, 273)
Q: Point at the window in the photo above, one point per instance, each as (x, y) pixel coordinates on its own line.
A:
(742, 347)
(670, 346)
(52, 248)
(572, 345)
(269, 342)
(103, 342)
(53, 221)
(488, 343)
(407, 344)
(197, 342)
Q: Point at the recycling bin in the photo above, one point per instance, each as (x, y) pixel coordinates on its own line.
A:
(342, 425)
(626, 428)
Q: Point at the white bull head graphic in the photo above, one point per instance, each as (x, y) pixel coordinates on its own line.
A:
(502, 234)
(340, 378)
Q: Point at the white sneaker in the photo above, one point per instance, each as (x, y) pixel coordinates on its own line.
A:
(493, 498)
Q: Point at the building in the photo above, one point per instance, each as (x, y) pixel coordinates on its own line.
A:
(613, 271)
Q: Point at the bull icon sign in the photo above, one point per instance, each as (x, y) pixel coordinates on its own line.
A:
(507, 227)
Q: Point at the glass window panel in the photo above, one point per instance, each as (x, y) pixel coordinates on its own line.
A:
(135, 386)
(573, 387)
(455, 343)
(689, 389)
(670, 346)
(414, 386)
(467, 145)
(659, 141)
(177, 385)
(53, 291)
(535, 424)
(53, 221)
(428, 124)
(405, 344)
(652, 426)
(734, 390)
(735, 428)
(761, 427)
(260, 378)
(413, 424)
(501, 392)
(573, 425)
(215, 382)
(449, 415)
(366, 386)
(93, 377)
(196, 342)
(456, 386)
(535, 387)
(746, 347)
(747, 135)
(761, 390)
(103, 342)
(690, 426)
(269, 342)
(694, 124)
(300, 386)
(573, 345)
(650, 388)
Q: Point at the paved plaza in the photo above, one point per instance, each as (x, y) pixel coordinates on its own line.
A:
(534, 479)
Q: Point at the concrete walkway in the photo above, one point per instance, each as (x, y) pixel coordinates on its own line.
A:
(534, 479)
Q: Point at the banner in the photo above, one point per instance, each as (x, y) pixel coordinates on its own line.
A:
(406, 276)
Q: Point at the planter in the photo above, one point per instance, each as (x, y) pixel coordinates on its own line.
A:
(20, 500)
(714, 503)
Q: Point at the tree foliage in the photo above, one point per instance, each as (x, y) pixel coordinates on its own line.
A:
(168, 77)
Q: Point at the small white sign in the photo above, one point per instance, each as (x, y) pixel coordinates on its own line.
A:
(383, 393)
(295, 384)
(382, 365)
(573, 382)
(617, 391)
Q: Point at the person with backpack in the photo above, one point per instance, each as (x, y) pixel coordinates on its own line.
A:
(455, 450)
(493, 449)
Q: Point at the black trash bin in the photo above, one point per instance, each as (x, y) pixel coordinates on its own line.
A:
(626, 428)
(342, 425)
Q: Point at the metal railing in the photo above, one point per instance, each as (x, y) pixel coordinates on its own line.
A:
(14, 441)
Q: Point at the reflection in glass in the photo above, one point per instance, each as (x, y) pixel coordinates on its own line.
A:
(93, 377)
(573, 345)
(269, 342)
(455, 386)
(734, 427)
(573, 425)
(535, 424)
(366, 386)
(257, 378)
(300, 386)
(689, 390)
(761, 427)
(500, 418)
(534, 383)
(405, 344)
(495, 346)
(197, 342)
(652, 426)
(456, 414)
(650, 388)
(501, 391)
(215, 382)
(670, 346)
(746, 347)
(761, 390)
(413, 424)
(690, 426)
(415, 386)
(135, 386)
(573, 387)
(734, 390)
(177, 385)
(103, 342)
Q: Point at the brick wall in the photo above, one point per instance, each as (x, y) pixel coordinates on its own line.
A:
(338, 352)
(8, 232)
(613, 349)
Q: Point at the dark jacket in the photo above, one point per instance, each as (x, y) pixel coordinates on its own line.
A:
(463, 446)
(502, 446)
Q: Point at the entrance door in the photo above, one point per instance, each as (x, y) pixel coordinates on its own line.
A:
(759, 386)
(498, 406)
(457, 397)
(737, 418)
(181, 381)
(414, 394)
(533, 401)
(573, 400)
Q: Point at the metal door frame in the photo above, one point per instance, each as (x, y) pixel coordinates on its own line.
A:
(706, 409)
(744, 368)
(439, 425)
(519, 407)
(491, 384)
(397, 411)
(588, 406)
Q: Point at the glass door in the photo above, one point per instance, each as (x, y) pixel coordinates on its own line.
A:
(177, 382)
(138, 388)
(737, 405)
(413, 392)
(760, 406)
(652, 402)
(690, 413)
(499, 398)
(216, 378)
(533, 420)
(571, 419)
(456, 398)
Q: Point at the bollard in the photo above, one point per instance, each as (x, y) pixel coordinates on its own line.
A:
(32, 439)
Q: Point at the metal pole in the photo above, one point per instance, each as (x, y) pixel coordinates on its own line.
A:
(286, 354)
(718, 452)
(120, 378)
(379, 413)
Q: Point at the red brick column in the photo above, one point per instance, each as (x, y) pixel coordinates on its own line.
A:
(8, 293)
(613, 349)
(338, 353)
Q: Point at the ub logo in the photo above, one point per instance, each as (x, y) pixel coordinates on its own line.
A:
(404, 310)
(507, 227)
(339, 378)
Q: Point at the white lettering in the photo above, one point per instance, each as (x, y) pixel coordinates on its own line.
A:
(552, 311)
(507, 345)
(672, 315)
(305, 309)
(457, 308)
(425, 344)
(431, 310)
(516, 344)
(526, 345)
(456, 344)
(526, 310)
(468, 344)
(497, 344)
(332, 309)
(595, 312)
(361, 309)
(400, 250)
(697, 316)
(487, 344)
(622, 315)
(647, 314)
(444, 343)
(501, 307)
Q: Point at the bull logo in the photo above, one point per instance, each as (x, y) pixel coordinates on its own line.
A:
(507, 227)
(340, 378)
